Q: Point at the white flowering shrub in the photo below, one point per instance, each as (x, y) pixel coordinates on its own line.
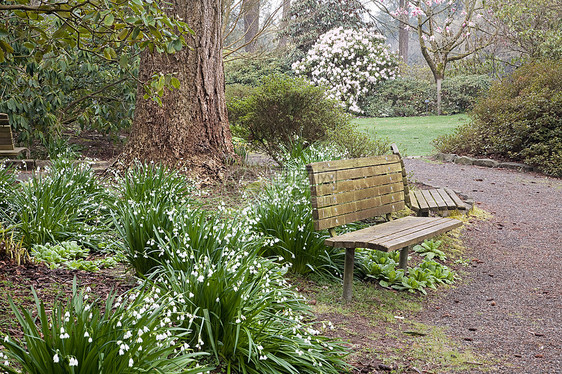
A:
(349, 63)
(126, 337)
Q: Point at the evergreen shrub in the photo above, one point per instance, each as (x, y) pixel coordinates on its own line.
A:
(406, 97)
(282, 109)
(520, 119)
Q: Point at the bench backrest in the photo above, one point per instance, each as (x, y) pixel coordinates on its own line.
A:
(6, 140)
(346, 191)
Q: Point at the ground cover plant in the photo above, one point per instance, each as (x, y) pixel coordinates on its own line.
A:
(80, 337)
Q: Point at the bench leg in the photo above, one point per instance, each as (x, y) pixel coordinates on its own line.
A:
(348, 274)
(403, 261)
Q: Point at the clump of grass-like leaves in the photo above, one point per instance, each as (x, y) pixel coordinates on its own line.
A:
(67, 203)
(127, 337)
(149, 195)
(237, 304)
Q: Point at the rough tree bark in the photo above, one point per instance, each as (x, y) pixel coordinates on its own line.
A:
(191, 127)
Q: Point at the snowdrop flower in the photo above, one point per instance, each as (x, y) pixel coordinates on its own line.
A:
(56, 358)
(72, 361)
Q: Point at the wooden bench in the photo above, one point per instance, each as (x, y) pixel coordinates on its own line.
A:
(346, 191)
(440, 200)
(7, 148)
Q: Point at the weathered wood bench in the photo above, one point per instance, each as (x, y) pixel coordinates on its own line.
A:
(7, 148)
(346, 191)
(439, 200)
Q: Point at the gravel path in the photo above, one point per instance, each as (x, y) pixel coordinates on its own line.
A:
(509, 305)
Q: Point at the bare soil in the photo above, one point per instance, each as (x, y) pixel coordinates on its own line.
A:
(509, 304)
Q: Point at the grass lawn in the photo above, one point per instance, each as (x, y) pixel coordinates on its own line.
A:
(414, 135)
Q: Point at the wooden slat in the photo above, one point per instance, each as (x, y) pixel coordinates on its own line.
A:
(418, 236)
(446, 198)
(358, 205)
(358, 216)
(327, 189)
(414, 202)
(359, 238)
(3, 117)
(346, 197)
(427, 195)
(421, 200)
(7, 147)
(438, 199)
(458, 202)
(324, 166)
(358, 173)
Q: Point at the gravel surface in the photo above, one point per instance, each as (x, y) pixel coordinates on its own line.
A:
(509, 304)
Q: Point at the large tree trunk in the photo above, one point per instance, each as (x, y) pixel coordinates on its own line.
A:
(191, 127)
(251, 9)
(403, 33)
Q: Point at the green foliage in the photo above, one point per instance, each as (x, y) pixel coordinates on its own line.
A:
(283, 214)
(282, 109)
(7, 185)
(70, 255)
(402, 97)
(79, 337)
(430, 249)
(532, 26)
(460, 93)
(67, 203)
(311, 18)
(520, 119)
(150, 194)
(236, 304)
(251, 71)
(382, 266)
(354, 143)
(54, 255)
(405, 97)
(44, 98)
(103, 28)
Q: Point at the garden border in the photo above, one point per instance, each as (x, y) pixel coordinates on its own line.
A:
(485, 162)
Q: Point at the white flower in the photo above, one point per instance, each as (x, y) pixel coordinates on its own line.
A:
(72, 361)
(56, 358)
(131, 362)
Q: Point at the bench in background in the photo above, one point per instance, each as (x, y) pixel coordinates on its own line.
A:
(7, 148)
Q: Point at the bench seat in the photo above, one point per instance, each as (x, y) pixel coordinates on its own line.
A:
(393, 235)
(440, 200)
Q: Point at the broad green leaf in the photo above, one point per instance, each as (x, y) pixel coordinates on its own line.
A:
(6, 47)
(108, 21)
(124, 61)
(175, 82)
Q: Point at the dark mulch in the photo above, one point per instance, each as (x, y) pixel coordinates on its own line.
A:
(509, 304)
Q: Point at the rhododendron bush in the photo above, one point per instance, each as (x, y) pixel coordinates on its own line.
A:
(349, 63)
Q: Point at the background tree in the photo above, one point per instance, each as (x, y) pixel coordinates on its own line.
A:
(403, 37)
(191, 126)
(251, 10)
(447, 31)
(533, 28)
